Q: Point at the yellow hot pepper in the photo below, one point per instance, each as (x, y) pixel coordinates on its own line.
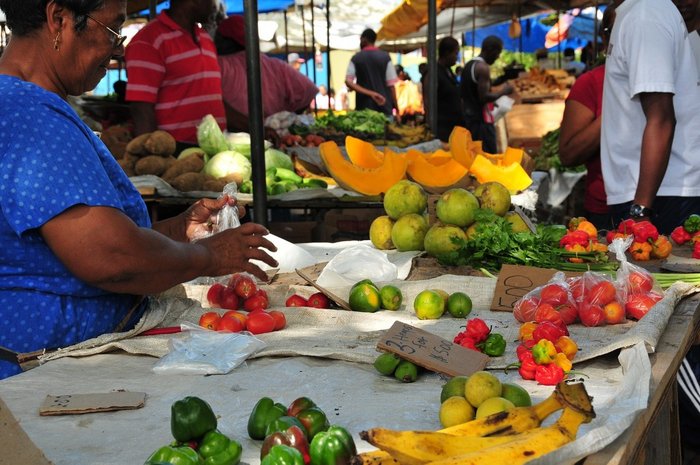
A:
(526, 329)
(563, 362)
(567, 346)
(544, 352)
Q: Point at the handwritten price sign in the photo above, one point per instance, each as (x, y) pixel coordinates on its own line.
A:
(430, 351)
(514, 281)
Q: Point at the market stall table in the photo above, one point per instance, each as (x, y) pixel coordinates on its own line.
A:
(527, 123)
(351, 393)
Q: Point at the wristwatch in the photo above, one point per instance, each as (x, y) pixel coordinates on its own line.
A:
(639, 211)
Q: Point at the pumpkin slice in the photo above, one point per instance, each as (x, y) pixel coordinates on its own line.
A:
(461, 146)
(513, 176)
(366, 181)
(512, 155)
(363, 153)
(438, 157)
(438, 178)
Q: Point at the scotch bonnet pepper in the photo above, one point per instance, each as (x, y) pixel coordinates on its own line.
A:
(333, 447)
(264, 413)
(218, 449)
(495, 345)
(544, 352)
(283, 455)
(191, 418)
(692, 223)
(549, 375)
(174, 455)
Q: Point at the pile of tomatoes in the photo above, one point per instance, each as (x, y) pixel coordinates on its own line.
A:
(241, 293)
(592, 299)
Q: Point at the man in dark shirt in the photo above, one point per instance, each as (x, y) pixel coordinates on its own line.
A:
(372, 76)
(449, 104)
(477, 96)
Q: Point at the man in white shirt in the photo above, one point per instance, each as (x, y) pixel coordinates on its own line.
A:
(650, 140)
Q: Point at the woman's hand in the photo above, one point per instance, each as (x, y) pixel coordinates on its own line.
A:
(232, 250)
(201, 218)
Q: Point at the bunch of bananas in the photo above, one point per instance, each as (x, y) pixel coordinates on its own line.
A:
(405, 135)
(507, 438)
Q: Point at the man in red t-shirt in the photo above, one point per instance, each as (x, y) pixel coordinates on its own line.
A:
(174, 78)
(579, 137)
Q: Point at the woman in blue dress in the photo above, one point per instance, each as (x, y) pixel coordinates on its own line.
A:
(78, 248)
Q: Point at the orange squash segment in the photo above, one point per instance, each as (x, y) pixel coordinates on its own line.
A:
(429, 175)
(363, 153)
(461, 146)
(513, 176)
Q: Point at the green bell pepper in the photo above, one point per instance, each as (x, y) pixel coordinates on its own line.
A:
(283, 423)
(283, 455)
(692, 223)
(218, 449)
(191, 418)
(494, 345)
(174, 455)
(332, 447)
(302, 403)
(264, 413)
(293, 437)
(314, 420)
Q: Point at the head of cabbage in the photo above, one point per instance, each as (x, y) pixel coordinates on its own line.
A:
(210, 137)
(230, 165)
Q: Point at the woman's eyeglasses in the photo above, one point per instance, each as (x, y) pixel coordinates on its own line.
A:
(118, 39)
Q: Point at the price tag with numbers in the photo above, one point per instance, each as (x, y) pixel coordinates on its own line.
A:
(430, 351)
(514, 281)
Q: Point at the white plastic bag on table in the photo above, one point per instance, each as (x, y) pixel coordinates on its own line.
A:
(535, 305)
(356, 263)
(639, 290)
(198, 351)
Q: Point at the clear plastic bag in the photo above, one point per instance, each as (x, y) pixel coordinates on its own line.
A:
(227, 217)
(198, 351)
(553, 302)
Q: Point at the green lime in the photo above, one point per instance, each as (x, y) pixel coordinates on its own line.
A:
(429, 305)
(459, 305)
(364, 281)
(391, 297)
(516, 394)
(364, 298)
(444, 294)
(386, 363)
(453, 387)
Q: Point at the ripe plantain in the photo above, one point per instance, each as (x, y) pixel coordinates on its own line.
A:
(526, 446)
(421, 447)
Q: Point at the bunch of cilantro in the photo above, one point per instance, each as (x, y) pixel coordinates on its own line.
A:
(495, 244)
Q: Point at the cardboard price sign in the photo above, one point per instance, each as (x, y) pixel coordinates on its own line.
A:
(514, 281)
(431, 351)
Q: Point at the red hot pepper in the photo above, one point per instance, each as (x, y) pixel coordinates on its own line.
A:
(548, 330)
(696, 250)
(644, 231)
(625, 227)
(549, 375)
(680, 236)
(574, 237)
(477, 330)
(528, 367)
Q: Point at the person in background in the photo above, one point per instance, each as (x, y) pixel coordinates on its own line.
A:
(372, 76)
(283, 87)
(341, 100)
(570, 64)
(408, 98)
(650, 143)
(174, 78)
(579, 137)
(543, 60)
(449, 103)
(295, 61)
(458, 73)
(478, 96)
(323, 100)
(214, 20)
(587, 56)
(79, 253)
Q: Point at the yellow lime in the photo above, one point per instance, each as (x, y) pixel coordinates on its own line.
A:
(516, 394)
(429, 305)
(459, 305)
(454, 411)
(493, 405)
(364, 297)
(391, 297)
(453, 387)
(480, 386)
(444, 294)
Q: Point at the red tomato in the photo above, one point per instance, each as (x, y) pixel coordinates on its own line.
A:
(215, 293)
(591, 315)
(554, 294)
(235, 314)
(614, 313)
(280, 319)
(639, 282)
(525, 308)
(639, 305)
(568, 313)
(256, 301)
(260, 322)
(577, 288)
(601, 293)
(318, 300)
(209, 320)
(230, 324)
(545, 312)
(243, 285)
(296, 301)
(229, 300)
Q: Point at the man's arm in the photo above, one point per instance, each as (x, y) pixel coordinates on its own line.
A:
(144, 117)
(656, 144)
(579, 137)
(376, 96)
(483, 81)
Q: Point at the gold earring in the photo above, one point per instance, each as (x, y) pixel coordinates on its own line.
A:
(57, 41)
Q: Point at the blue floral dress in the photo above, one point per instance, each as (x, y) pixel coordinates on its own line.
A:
(50, 161)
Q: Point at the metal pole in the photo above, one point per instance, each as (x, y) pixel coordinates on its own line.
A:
(303, 35)
(432, 66)
(152, 9)
(313, 40)
(558, 39)
(595, 33)
(328, 48)
(286, 36)
(474, 28)
(255, 114)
